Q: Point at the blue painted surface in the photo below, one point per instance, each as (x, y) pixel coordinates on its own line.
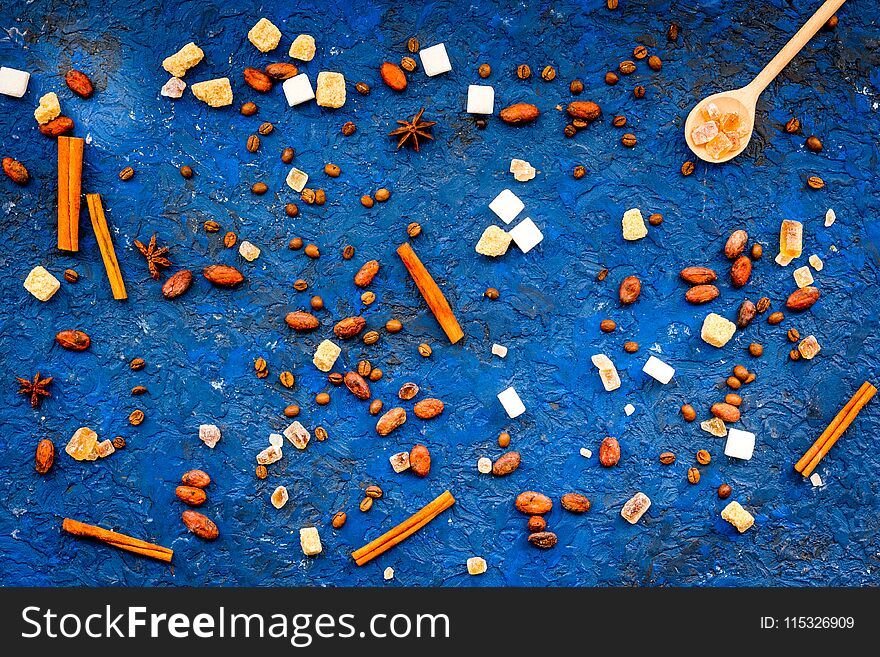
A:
(200, 348)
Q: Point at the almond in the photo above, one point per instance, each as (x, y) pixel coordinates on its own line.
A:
(357, 385)
(57, 126)
(802, 299)
(575, 502)
(349, 327)
(520, 113)
(45, 456)
(701, 294)
(200, 525)
(281, 71)
(740, 271)
(505, 464)
(177, 284)
(73, 340)
(15, 171)
(223, 275)
(393, 76)
(79, 83)
(698, 275)
(367, 273)
(197, 478)
(745, 314)
(428, 408)
(191, 495)
(420, 460)
(736, 244)
(630, 289)
(584, 109)
(390, 421)
(257, 80)
(533, 504)
(301, 321)
(726, 412)
(609, 452)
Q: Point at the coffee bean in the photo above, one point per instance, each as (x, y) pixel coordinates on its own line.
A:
(775, 318)
(229, 239)
(376, 374)
(492, 293)
(687, 168)
(287, 155)
(762, 305)
(724, 491)
(693, 475)
(291, 411)
(793, 335)
(756, 350)
(703, 457)
(126, 174)
(119, 442)
(300, 285)
(794, 354)
(626, 67)
(688, 413)
(137, 364)
(414, 229)
(548, 74)
(611, 4)
(602, 275)
(793, 126)
(335, 378)
(484, 71)
(667, 458)
(322, 399)
(412, 45)
(136, 417)
(259, 188)
(248, 109)
(286, 379)
(523, 72)
(628, 140)
(307, 195)
(296, 243)
(504, 439)
(569, 131)
(373, 491)
(579, 172)
(639, 91)
(814, 144)
(607, 325)
(672, 32)
(630, 347)
(576, 87)
(186, 171)
(211, 226)
(408, 64)
(260, 365)
(364, 368)
(71, 276)
(253, 144)
(655, 219)
(262, 472)
(815, 182)
(618, 121)
(640, 52)
(339, 519)
(371, 337)
(424, 350)
(363, 88)
(366, 504)
(320, 434)
(655, 63)
(611, 78)
(266, 128)
(312, 251)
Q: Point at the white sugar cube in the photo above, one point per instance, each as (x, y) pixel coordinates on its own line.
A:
(388, 573)
(481, 99)
(276, 439)
(435, 60)
(297, 179)
(740, 444)
(815, 262)
(507, 206)
(782, 260)
(629, 409)
(13, 82)
(830, 218)
(499, 350)
(298, 89)
(526, 235)
(511, 402)
(659, 370)
(815, 479)
(586, 453)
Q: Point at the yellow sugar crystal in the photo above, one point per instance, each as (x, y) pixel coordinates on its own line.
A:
(48, 109)
(326, 355)
(330, 89)
(476, 565)
(297, 179)
(719, 146)
(41, 283)
(634, 225)
(704, 133)
(303, 48)
(216, 93)
(610, 379)
(803, 276)
(248, 251)
(715, 426)
(82, 445)
(816, 262)
(738, 516)
(494, 242)
(183, 60)
(809, 347)
(717, 330)
(710, 111)
(782, 261)
(791, 238)
(310, 541)
(264, 35)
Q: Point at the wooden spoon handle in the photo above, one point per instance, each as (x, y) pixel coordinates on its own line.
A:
(794, 46)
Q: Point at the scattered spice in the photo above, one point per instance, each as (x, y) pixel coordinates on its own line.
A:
(36, 389)
(411, 131)
(155, 256)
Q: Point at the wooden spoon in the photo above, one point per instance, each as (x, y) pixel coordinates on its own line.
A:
(743, 100)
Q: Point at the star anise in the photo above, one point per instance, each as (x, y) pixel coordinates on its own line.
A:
(155, 256)
(35, 388)
(412, 130)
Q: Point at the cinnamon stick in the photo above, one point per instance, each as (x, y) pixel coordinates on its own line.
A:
(404, 530)
(831, 428)
(120, 541)
(105, 243)
(431, 293)
(70, 156)
(838, 432)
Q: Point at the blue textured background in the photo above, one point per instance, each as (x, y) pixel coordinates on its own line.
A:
(200, 348)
